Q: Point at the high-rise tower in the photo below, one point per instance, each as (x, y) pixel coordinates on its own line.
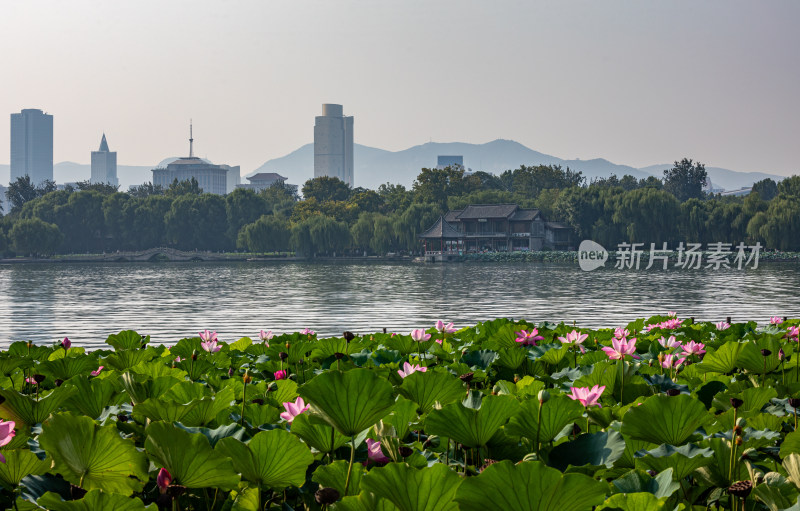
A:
(333, 144)
(104, 165)
(32, 146)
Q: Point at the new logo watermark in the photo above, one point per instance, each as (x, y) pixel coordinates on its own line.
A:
(689, 256)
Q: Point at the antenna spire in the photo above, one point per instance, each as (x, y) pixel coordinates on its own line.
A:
(191, 140)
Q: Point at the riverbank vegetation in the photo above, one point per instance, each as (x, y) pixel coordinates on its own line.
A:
(662, 413)
(333, 219)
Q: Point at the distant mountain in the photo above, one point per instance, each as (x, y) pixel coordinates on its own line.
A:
(376, 166)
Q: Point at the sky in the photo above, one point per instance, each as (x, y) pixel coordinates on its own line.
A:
(637, 83)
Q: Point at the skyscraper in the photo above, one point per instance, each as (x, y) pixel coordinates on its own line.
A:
(32, 145)
(333, 144)
(104, 165)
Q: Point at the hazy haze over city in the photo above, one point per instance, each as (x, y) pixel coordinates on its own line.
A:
(638, 83)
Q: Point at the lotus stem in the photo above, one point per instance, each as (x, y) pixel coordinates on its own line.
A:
(539, 428)
(350, 467)
(244, 400)
(622, 382)
(733, 447)
(333, 436)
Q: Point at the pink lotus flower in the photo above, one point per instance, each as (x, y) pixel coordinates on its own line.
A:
(723, 325)
(280, 375)
(6, 434)
(66, 343)
(671, 361)
(409, 369)
(693, 348)
(575, 338)
(266, 336)
(210, 346)
(419, 335)
(672, 314)
(308, 331)
(793, 332)
(621, 333)
(526, 338)
(31, 380)
(621, 347)
(588, 397)
(374, 453)
(208, 336)
(163, 480)
(294, 409)
(775, 320)
(671, 324)
(670, 342)
(178, 359)
(97, 371)
(445, 329)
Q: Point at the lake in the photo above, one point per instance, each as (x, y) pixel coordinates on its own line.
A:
(169, 301)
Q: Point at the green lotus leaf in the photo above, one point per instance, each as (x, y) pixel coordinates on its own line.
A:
(19, 464)
(208, 408)
(603, 374)
(93, 456)
(127, 340)
(402, 343)
(350, 401)
(189, 457)
(637, 502)
(318, 436)
(511, 358)
(403, 414)
(555, 354)
(275, 458)
(334, 475)
(67, 367)
(410, 489)
(141, 387)
(431, 387)
(791, 464)
(716, 472)
(157, 410)
(364, 501)
(681, 460)
(635, 481)
(93, 501)
(26, 411)
(596, 449)
(480, 359)
(663, 419)
(472, 428)
(9, 364)
(776, 491)
(529, 486)
(242, 344)
(215, 435)
(258, 415)
(124, 360)
(724, 359)
(791, 444)
(92, 396)
(557, 413)
(286, 392)
(751, 359)
(246, 498)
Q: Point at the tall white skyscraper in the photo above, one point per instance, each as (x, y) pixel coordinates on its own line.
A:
(333, 144)
(32, 145)
(104, 165)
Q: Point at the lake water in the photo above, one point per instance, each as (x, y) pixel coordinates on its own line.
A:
(169, 301)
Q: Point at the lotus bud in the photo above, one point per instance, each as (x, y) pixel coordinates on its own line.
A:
(741, 422)
(272, 387)
(194, 355)
(163, 480)
(739, 441)
(283, 355)
(741, 489)
(326, 496)
(673, 392)
(39, 378)
(516, 378)
(348, 336)
(247, 378)
(781, 355)
(486, 463)
(765, 352)
(29, 344)
(384, 329)
(287, 346)
(58, 383)
(467, 377)
(794, 402)
(230, 372)
(660, 358)
(66, 343)
(737, 430)
(544, 396)
(736, 402)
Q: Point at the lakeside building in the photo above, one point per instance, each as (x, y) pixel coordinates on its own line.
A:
(217, 179)
(104, 165)
(495, 228)
(264, 180)
(32, 146)
(333, 144)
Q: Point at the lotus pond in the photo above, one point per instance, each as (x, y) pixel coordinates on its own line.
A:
(660, 414)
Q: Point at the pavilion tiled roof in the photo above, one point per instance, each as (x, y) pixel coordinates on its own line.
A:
(474, 211)
(266, 176)
(452, 216)
(440, 230)
(525, 215)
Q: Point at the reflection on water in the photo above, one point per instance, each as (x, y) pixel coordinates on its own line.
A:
(169, 301)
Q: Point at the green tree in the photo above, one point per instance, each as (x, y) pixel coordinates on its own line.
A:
(395, 197)
(244, 207)
(185, 187)
(267, 234)
(325, 189)
(146, 190)
(198, 222)
(789, 187)
(434, 186)
(103, 188)
(117, 222)
(413, 221)
(22, 190)
(767, 189)
(34, 237)
(685, 180)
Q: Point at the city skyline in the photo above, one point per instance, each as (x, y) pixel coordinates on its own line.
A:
(634, 84)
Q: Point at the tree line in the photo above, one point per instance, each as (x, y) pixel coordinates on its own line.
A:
(333, 219)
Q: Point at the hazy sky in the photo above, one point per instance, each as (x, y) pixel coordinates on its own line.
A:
(638, 83)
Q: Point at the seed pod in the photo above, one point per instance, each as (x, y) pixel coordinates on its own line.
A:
(405, 451)
(348, 336)
(257, 401)
(39, 378)
(794, 402)
(737, 430)
(673, 392)
(765, 352)
(741, 489)
(338, 355)
(736, 402)
(283, 355)
(325, 496)
(467, 377)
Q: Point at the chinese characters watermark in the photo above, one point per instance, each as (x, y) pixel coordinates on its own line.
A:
(689, 256)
